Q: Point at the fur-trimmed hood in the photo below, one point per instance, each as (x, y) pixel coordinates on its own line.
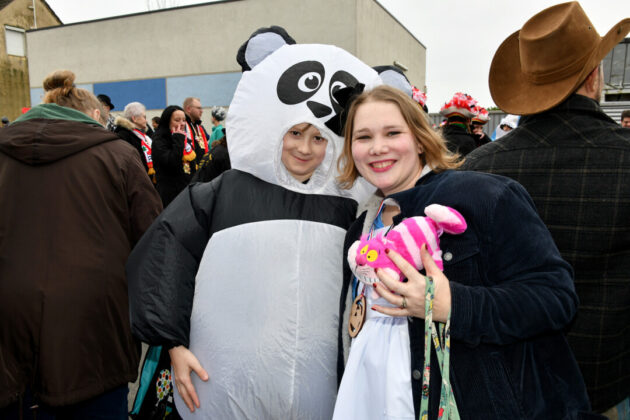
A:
(123, 122)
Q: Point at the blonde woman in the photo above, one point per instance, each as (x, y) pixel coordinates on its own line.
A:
(505, 291)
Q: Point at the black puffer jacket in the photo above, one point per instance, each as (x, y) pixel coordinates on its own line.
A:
(213, 164)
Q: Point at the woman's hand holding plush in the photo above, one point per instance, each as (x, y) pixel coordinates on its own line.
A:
(410, 296)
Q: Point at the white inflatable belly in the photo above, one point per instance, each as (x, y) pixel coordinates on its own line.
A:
(264, 321)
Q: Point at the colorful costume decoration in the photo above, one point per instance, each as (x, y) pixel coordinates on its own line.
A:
(481, 115)
(461, 104)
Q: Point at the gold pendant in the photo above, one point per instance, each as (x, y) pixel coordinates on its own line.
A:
(357, 316)
(187, 167)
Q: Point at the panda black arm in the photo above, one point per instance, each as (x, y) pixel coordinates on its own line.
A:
(162, 267)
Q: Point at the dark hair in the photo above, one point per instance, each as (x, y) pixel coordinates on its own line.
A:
(625, 114)
(156, 120)
(163, 128)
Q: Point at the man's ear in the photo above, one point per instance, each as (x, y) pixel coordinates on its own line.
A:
(96, 115)
(592, 78)
(590, 86)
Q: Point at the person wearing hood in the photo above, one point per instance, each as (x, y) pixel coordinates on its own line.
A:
(132, 127)
(80, 202)
(507, 124)
(240, 277)
(174, 153)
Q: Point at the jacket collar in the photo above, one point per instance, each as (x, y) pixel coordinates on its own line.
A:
(123, 122)
(575, 103)
(56, 112)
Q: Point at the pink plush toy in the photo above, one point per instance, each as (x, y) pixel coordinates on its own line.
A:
(406, 238)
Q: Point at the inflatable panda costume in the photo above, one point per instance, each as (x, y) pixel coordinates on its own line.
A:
(246, 270)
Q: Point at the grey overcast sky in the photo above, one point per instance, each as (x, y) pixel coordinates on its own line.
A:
(461, 36)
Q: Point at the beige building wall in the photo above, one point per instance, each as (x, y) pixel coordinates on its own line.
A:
(191, 40)
(381, 40)
(14, 77)
(203, 39)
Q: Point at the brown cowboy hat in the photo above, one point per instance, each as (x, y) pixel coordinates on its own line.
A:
(539, 66)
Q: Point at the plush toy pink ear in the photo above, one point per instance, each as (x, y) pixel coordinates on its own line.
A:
(449, 219)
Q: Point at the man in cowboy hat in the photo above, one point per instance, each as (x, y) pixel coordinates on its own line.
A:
(575, 163)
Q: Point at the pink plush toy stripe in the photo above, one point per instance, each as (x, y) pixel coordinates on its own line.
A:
(406, 238)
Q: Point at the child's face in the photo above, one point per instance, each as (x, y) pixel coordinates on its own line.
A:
(303, 150)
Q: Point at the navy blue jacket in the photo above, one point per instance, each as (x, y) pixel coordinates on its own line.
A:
(512, 295)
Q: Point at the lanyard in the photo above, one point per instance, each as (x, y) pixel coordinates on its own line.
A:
(432, 337)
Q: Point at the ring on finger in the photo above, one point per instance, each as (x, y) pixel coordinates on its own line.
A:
(403, 305)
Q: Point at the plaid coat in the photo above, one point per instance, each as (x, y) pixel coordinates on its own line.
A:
(575, 163)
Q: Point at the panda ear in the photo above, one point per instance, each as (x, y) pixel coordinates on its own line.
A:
(260, 44)
(394, 77)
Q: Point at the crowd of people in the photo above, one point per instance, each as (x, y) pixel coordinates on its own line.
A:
(174, 151)
(323, 251)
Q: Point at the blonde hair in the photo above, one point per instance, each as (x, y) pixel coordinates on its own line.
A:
(60, 89)
(432, 143)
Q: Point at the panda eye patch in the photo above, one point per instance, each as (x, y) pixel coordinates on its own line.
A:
(340, 80)
(300, 81)
(335, 86)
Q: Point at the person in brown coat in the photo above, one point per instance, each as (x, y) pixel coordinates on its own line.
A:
(75, 200)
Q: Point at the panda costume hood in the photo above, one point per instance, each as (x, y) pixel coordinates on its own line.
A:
(246, 270)
(294, 85)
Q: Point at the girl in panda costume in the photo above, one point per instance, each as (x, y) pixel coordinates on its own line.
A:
(241, 277)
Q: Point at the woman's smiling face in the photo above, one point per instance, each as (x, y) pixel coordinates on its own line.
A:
(384, 150)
